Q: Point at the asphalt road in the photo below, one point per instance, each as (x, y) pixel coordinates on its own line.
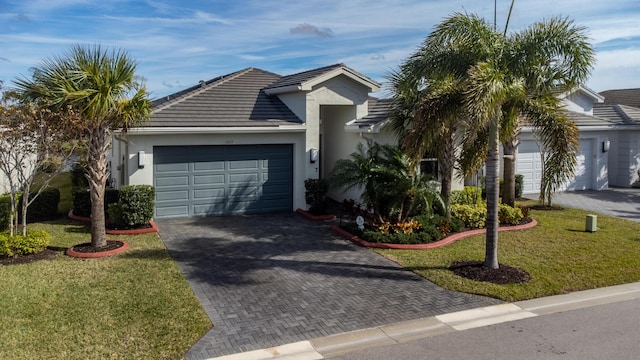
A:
(600, 332)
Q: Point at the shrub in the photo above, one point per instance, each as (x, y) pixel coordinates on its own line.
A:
(5, 210)
(525, 211)
(472, 216)
(316, 189)
(134, 207)
(78, 179)
(82, 201)
(398, 238)
(509, 215)
(519, 185)
(44, 207)
(35, 241)
(470, 195)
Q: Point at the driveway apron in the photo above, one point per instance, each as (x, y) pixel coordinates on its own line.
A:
(619, 202)
(268, 280)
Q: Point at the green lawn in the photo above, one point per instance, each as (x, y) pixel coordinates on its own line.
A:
(135, 305)
(560, 256)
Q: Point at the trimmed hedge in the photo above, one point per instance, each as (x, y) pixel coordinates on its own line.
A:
(35, 241)
(473, 216)
(134, 207)
(5, 209)
(82, 201)
(44, 207)
(509, 215)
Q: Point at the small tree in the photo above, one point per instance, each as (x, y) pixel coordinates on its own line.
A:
(27, 142)
(101, 85)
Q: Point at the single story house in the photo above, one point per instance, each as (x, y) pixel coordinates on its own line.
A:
(245, 142)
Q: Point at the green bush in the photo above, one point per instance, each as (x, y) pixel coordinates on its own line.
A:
(78, 179)
(509, 215)
(82, 201)
(470, 195)
(5, 209)
(472, 216)
(519, 185)
(315, 191)
(43, 207)
(134, 207)
(399, 238)
(35, 241)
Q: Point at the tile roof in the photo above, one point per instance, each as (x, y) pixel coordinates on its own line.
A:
(236, 100)
(618, 114)
(378, 111)
(629, 97)
(299, 78)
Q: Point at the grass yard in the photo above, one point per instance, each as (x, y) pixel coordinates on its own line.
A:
(558, 254)
(135, 305)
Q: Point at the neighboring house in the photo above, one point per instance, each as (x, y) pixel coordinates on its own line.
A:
(609, 143)
(245, 142)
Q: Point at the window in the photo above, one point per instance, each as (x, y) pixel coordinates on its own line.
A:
(429, 166)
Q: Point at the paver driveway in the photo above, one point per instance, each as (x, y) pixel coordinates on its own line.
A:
(268, 280)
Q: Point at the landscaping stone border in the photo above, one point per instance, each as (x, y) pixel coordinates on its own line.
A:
(153, 228)
(444, 242)
(100, 254)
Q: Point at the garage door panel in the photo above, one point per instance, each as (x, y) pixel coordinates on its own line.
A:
(243, 164)
(172, 211)
(218, 180)
(169, 168)
(209, 180)
(172, 181)
(208, 166)
(209, 194)
(169, 195)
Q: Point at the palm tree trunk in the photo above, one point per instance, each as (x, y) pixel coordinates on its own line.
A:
(509, 190)
(447, 159)
(97, 176)
(493, 188)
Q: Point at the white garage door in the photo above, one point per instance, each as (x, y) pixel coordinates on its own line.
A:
(529, 164)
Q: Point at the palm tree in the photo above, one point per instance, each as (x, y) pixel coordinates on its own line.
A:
(504, 77)
(101, 86)
(426, 117)
(390, 184)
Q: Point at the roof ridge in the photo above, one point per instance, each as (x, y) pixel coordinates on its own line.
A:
(202, 85)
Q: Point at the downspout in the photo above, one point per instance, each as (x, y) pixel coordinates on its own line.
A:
(124, 163)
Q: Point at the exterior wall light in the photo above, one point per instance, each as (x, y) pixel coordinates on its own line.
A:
(313, 155)
(141, 159)
(605, 146)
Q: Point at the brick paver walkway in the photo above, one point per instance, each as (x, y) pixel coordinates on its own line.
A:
(268, 280)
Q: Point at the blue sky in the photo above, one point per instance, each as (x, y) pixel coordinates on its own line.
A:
(178, 43)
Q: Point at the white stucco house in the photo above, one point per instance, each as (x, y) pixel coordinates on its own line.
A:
(245, 142)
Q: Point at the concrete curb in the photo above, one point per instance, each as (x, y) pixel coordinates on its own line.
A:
(401, 332)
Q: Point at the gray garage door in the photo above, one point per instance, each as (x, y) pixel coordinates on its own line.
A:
(221, 180)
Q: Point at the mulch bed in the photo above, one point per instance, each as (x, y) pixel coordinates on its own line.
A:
(475, 270)
(87, 248)
(46, 254)
(546, 207)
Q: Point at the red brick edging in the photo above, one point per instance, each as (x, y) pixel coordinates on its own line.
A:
(95, 255)
(152, 229)
(446, 241)
(310, 216)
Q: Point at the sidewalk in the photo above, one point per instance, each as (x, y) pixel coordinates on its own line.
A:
(326, 347)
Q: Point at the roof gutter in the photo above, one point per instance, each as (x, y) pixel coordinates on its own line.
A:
(217, 130)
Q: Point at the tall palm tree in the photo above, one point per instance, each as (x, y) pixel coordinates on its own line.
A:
(503, 77)
(101, 86)
(427, 117)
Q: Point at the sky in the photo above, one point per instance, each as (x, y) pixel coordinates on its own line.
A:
(177, 43)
